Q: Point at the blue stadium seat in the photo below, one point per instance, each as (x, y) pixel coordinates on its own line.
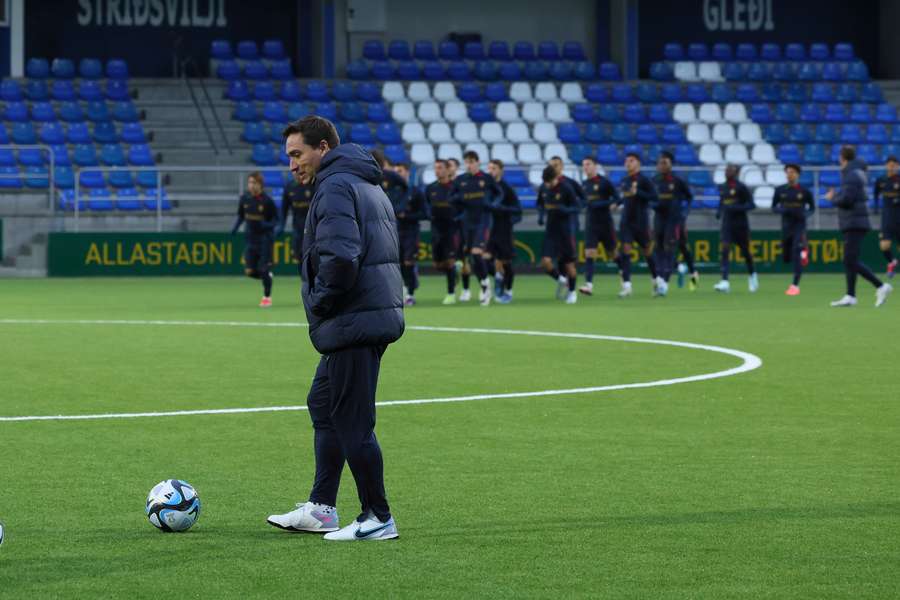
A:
(811, 113)
(36, 90)
(597, 93)
(105, 133)
(496, 92)
(469, 92)
(795, 52)
(596, 133)
(809, 72)
(90, 68)
(818, 51)
(62, 91)
(15, 112)
(578, 152)
(672, 92)
(133, 133)
(61, 155)
(399, 50)
(448, 51)
(648, 93)
(374, 50)
(621, 92)
(31, 157)
(37, 68)
(584, 113)
(352, 112)
(673, 134)
(481, 112)
(361, 133)
(608, 154)
(787, 113)
(245, 111)
(383, 70)
(247, 50)
(254, 133)
(237, 90)
(275, 133)
(365, 92)
(220, 50)
(584, 71)
(857, 71)
(775, 133)
(116, 68)
(78, 133)
(843, 52)
(23, 133)
(388, 133)
(255, 70)
(358, 70)
(548, 50)
(784, 72)
(63, 178)
(459, 70)
(573, 51)
(499, 50)
(796, 92)
(673, 51)
(773, 92)
(696, 92)
(51, 133)
(747, 93)
(263, 155)
(798, 133)
(832, 72)
(822, 92)
(609, 72)
(561, 71)
(90, 91)
(121, 179)
(722, 52)
(127, 199)
(660, 71)
(759, 72)
(378, 112)
(154, 197)
(281, 70)
(877, 133)
(825, 134)
(621, 133)
(646, 134)
(273, 49)
(147, 179)
(886, 113)
(847, 93)
(139, 155)
(890, 150)
(43, 112)
(746, 52)
(473, 51)
(698, 51)
(523, 50)
(91, 179)
(868, 153)
(434, 71)
(869, 92)
(835, 113)
(327, 110)
(536, 71)
(343, 91)
(789, 153)
(609, 113)
(317, 91)
(700, 179)
(112, 155)
(634, 113)
(860, 113)
(99, 200)
(228, 70)
(396, 153)
(11, 91)
(485, 70)
(4, 135)
(735, 72)
(274, 112)
(850, 133)
(424, 50)
(62, 68)
(569, 133)
(298, 111)
(7, 158)
(124, 112)
(722, 93)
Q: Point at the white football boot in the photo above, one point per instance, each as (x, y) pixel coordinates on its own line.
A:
(308, 516)
(484, 298)
(723, 286)
(882, 293)
(371, 529)
(562, 286)
(753, 283)
(847, 300)
(572, 298)
(465, 295)
(626, 289)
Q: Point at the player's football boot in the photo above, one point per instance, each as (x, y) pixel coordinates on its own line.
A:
(662, 288)
(882, 293)
(486, 293)
(694, 281)
(369, 529)
(587, 289)
(794, 290)
(449, 299)
(572, 298)
(562, 286)
(465, 296)
(505, 298)
(410, 301)
(804, 257)
(753, 283)
(892, 268)
(682, 271)
(626, 289)
(723, 286)
(847, 300)
(308, 516)
(265, 302)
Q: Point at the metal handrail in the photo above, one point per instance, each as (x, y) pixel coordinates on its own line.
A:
(209, 135)
(51, 174)
(190, 62)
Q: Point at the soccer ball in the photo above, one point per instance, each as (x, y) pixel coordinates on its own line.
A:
(173, 505)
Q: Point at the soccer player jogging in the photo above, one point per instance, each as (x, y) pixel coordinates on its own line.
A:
(556, 202)
(260, 214)
(735, 201)
(794, 203)
(408, 218)
(887, 194)
(444, 226)
(672, 193)
(637, 192)
(295, 201)
(474, 194)
(557, 163)
(599, 195)
(853, 219)
(352, 294)
(462, 267)
(501, 248)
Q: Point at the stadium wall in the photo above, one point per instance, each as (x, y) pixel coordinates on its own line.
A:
(139, 254)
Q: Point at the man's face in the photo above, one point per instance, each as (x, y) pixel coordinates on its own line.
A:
(892, 168)
(792, 175)
(495, 171)
(731, 172)
(402, 171)
(664, 165)
(472, 166)
(632, 165)
(440, 171)
(589, 168)
(305, 159)
(452, 168)
(557, 164)
(254, 186)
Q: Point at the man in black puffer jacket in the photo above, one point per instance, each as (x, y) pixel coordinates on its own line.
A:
(352, 293)
(853, 219)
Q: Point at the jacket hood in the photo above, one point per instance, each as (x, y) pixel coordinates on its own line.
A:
(352, 159)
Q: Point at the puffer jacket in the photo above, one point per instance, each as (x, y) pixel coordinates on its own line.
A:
(851, 198)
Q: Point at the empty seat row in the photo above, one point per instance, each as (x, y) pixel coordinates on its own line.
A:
(82, 155)
(531, 112)
(125, 199)
(815, 112)
(63, 178)
(518, 132)
(75, 133)
(279, 112)
(748, 52)
(445, 91)
(72, 112)
(255, 70)
(829, 133)
(736, 153)
(712, 71)
(482, 71)
(63, 89)
(64, 68)
(496, 50)
(293, 91)
(272, 49)
(526, 154)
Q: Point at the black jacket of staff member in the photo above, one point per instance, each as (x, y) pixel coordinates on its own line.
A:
(851, 198)
(352, 289)
(735, 201)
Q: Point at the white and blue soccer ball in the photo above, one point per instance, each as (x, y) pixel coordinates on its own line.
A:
(173, 505)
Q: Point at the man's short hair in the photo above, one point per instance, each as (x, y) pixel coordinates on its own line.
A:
(556, 158)
(257, 177)
(793, 166)
(667, 154)
(634, 154)
(591, 158)
(443, 161)
(405, 165)
(549, 174)
(452, 160)
(314, 129)
(848, 153)
(498, 162)
(471, 155)
(892, 159)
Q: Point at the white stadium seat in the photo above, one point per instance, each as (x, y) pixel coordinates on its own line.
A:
(529, 154)
(428, 176)
(535, 175)
(392, 91)
(533, 112)
(545, 91)
(456, 112)
(711, 154)
(558, 112)
(520, 91)
(518, 133)
(723, 133)
(749, 133)
(466, 133)
(763, 154)
(507, 112)
(492, 132)
(685, 71)
(412, 133)
(545, 133)
(762, 196)
(444, 91)
(571, 92)
(439, 133)
(684, 113)
(737, 154)
(430, 112)
(719, 175)
(736, 112)
(480, 149)
(450, 151)
(709, 113)
(698, 133)
(752, 176)
(418, 91)
(504, 152)
(422, 154)
(403, 112)
(551, 150)
(709, 71)
(775, 175)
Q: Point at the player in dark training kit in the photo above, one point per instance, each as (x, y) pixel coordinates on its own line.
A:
(295, 201)
(794, 203)
(260, 214)
(887, 195)
(408, 217)
(672, 195)
(557, 200)
(501, 249)
(475, 192)
(600, 195)
(637, 192)
(735, 201)
(444, 226)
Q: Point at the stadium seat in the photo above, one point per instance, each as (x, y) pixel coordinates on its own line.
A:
(467, 133)
(709, 71)
(524, 51)
(470, 92)
(569, 133)
(609, 71)
(818, 51)
(418, 91)
(659, 113)
(247, 50)
(507, 112)
(448, 51)
(886, 113)
(723, 133)
(697, 93)
(50, 133)
(228, 70)
(43, 112)
(811, 113)
(263, 155)
(263, 91)
(117, 69)
(374, 50)
(121, 179)
(220, 50)
(558, 112)
(684, 113)
(155, 198)
(422, 154)
(407, 70)
(15, 112)
(860, 113)
(11, 91)
(439, 133)
(459, 71)
(814, 154)
(31, 157)
(722, 52)
(237, 91)
(429, 112)
(91, 179)
(434, 71)
(596, 133)
(671, 93)
(698, 52)
(711, 154)
(358, 70)
(499, 50)
(90, 68)
(496, 92)
(255, 70)
(105, 133)
(254, 133)
(789, 153)
(273, 49)
(621, 133)
(747, 93)
(124, 112)
(473, 51)
(361, 133)
(246, 112)
(709, 113)
(685, 71)
(673, 52)
(518, 133)
(673, 134)
(140, 155)
(23, 133)
(832, 72)
(444, 91)
(351, 112)
(480, 112)
(36, 90)
(857, 71)
(532, 112)
(112, 155)
(396, 153)
(749, 133)
(37, 68)
(424, 50)
(128, 199)
(78, 133)
(545, 133)
(62, 68)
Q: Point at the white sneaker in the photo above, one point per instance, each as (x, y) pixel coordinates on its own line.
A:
(449, 299)
(465, 296)
(316, 518)
(723, 286)
(753, 283)
(572, 298)
(660, 287)
(882, 293)
(486, 294)
(370, 529)
(847, 300)
(562, 285)
(626, 289)
(587, 289)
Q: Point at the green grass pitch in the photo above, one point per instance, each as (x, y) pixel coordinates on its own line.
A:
(783, 482)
